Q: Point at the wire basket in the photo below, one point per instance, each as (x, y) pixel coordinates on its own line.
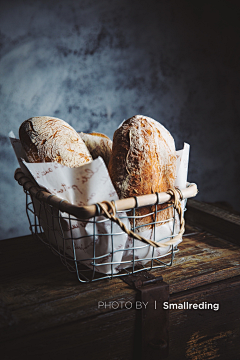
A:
(96, 244)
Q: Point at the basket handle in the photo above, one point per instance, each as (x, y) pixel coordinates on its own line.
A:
(176, 197)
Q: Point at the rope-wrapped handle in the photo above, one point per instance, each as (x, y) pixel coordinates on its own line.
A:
(176, 197)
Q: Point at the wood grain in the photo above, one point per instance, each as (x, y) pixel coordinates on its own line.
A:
(218, 221)
(46, 313)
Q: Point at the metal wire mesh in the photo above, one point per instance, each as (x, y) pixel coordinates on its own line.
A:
(57, 230)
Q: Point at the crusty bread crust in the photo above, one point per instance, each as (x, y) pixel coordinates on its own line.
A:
(98, 145)
(49, 139)
(143, 161)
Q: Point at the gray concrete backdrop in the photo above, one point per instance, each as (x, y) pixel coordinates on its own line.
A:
(94, 63)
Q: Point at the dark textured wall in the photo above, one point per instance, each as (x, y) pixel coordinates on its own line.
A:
(94, 63)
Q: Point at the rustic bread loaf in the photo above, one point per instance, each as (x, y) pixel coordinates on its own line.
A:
(143, 161)
(98, 145)
(48, 139)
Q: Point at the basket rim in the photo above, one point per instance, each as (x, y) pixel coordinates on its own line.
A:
(88, 211)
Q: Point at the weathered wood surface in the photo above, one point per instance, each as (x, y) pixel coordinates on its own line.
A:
(219, 221)
(46, 313)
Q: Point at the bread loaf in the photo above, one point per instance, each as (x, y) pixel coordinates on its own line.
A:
(143, 161)
(48, 139)
(98, 145)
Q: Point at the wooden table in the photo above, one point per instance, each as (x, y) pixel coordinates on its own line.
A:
(47, 314)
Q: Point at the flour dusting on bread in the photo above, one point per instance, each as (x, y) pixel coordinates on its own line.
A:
(47, 139)
(143, 161)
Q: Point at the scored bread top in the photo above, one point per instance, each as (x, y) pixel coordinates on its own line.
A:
(143, 157)
(143, 162)
(49, 139)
